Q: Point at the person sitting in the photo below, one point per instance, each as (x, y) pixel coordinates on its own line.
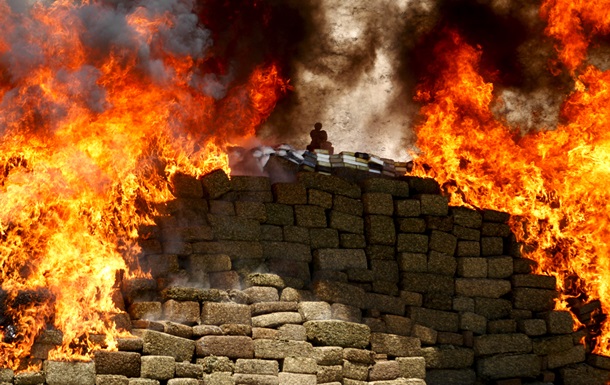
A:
(319, 139)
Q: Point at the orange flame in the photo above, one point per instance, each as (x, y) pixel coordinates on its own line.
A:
(553, 183)
(88, 133)
(574, 24)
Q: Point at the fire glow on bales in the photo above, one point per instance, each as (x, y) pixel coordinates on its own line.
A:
(100, 105)
(101, 102)
(554, 183)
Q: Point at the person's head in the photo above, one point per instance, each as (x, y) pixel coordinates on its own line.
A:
(318, 126)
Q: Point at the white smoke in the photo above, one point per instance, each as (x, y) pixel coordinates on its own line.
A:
(529, 111)
(349, 78)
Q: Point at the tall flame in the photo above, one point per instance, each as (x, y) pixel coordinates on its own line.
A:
(573, 24)
(552, 182)
(99, 106)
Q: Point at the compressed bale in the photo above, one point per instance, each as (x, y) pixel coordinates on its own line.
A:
(250, 183)
(339, 259)
(289, 193)
(251, 210)
(436, 319)
(161, 344)
(379, 229)
(338, 333)
(412, 243)
(443, 357)
(348, 205)
(378, 203)
(510, 366)
(69, 373)
(394, 345)
(407, 208)
(319, 198)
(158, 367)
(121, 363)
(339, 292)
(278, 349)
(279, 214)
(215, 184)
(228, 346)
(443, 242)
(213, 313)
(502, 343)
(432, 204)
(346, 222)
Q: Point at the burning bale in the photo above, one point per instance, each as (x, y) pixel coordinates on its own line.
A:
(124, 241)
(309, 299)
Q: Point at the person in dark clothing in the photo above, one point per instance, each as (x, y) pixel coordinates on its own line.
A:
(319, 139)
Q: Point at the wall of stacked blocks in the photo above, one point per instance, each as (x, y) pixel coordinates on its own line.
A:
(330, 280)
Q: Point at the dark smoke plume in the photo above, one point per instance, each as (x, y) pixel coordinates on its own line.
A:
(354, 64)
(358, 62)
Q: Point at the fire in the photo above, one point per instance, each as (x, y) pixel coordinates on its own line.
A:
(100, 106)
(552, 182)
(573, 24)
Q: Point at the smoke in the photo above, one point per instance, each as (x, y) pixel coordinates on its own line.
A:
(516, 58)
(113, 30)
(358, 64)
(117, 29)
(20, 6)
(83, 83)
(347, 76)
(354, 64)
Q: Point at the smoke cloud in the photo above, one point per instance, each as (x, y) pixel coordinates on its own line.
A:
(359, 62)
(102, 30)
(348, 76)
(354, 64)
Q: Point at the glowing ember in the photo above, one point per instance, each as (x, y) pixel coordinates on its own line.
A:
(553, 182)
(100, 105)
